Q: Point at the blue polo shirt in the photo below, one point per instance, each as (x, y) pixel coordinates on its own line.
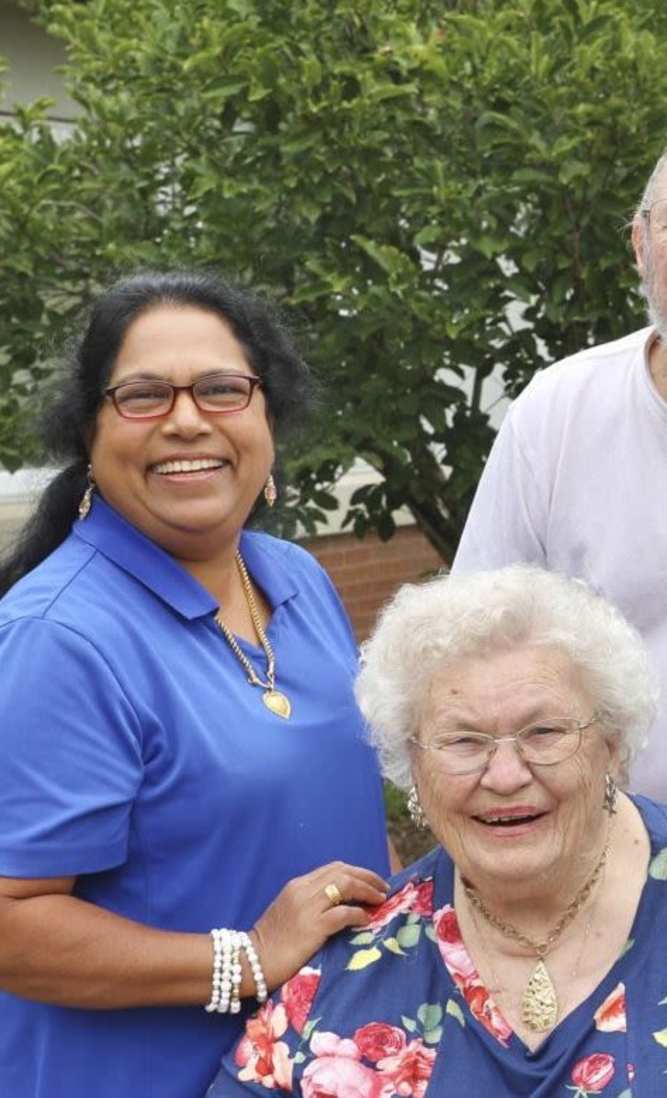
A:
(135, 756)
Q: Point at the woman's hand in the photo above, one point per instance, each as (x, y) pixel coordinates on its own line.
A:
(302, 916)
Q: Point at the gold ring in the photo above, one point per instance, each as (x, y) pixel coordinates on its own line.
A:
(333, 894)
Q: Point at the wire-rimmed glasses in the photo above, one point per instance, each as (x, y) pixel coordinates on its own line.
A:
(543, 743)
(151, 398)
(656, 214)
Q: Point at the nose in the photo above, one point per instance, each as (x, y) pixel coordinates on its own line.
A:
(185, 418)
(506, 771)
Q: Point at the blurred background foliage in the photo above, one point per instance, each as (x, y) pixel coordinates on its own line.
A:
(431, 192)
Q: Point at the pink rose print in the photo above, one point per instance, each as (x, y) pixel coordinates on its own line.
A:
(450, 943)
(410, 1069)
(483, 1008)
(610, 1016)
(261, 1057)
(592, 1074)
(378, 1039)
(465, 975)
(324, 1043)
(298, 994)
(412, 897)
(423, 902)
(337, 1073)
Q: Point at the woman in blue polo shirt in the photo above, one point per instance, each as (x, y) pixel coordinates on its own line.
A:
(179, 741)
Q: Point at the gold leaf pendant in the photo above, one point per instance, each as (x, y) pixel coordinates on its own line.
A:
(539, 1002)
(278, 703)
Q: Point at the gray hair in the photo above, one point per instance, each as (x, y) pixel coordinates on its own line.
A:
(651, 187)
(428, 626)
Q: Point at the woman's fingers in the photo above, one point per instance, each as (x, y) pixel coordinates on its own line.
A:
(309, 910)
(346, 889)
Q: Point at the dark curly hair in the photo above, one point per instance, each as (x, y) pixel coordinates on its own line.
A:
(287, 385)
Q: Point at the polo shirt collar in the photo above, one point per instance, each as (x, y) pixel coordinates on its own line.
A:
(121, 542)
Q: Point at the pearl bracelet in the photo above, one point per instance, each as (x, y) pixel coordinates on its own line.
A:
(227, 972)
(221, 977)
(261, 990)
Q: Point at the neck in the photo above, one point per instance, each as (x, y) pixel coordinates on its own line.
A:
(219, 575)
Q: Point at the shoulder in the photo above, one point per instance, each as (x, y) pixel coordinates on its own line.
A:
(286, 554)
(361, 999)
(37, 593)
(593, 367)
(654, 816)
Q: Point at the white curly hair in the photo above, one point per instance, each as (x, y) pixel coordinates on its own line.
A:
(428, 626)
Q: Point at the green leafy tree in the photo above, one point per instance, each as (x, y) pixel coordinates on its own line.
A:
(430, 191)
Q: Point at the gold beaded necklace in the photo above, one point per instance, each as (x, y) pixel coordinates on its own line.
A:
(273, 699)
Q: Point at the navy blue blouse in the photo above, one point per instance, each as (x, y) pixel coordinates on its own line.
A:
(399, 1011)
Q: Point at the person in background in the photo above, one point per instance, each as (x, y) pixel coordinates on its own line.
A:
(575, 479)
(181, 753)
(518, 958)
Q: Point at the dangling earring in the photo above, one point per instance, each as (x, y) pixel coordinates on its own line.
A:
(610, 794)
(270, 491)
(415, 809)
(87, 497)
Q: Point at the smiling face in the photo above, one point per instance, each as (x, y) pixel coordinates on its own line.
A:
(188, 480)
(510, 824)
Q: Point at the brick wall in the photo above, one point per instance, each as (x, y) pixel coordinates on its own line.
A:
(367, 572)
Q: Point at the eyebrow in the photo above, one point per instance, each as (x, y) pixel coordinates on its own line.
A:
(461, 718)
(148, 375)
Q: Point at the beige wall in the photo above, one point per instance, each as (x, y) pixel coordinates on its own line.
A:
(33, 58)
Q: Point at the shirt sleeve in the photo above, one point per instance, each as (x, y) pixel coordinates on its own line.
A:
(70, 754)
(508, 518)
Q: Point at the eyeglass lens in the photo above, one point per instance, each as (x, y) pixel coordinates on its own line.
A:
(658, 215)
(215, 393)
(546, 742)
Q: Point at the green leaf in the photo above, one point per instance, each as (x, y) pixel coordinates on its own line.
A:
(408, 936)
(454, 1009)
(392, 945)
(408, 1023)
(362, 939)
(658, 867)
(430, 1015)
(432, 1036)
(661, 1037)
(363, 958)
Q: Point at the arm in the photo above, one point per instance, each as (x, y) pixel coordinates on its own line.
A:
(394, 858)
(508, 518)
(71, 759)
(57, 948)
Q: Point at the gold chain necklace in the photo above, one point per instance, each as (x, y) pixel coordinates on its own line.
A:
(496, 989)
(539, 1002)
(273, 699)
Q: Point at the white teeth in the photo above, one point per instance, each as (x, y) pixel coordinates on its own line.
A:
(187, 466)
(505, 819)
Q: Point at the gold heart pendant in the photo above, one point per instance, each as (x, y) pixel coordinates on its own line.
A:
(278, 703)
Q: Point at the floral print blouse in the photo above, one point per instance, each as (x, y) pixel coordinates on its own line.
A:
(398, 1010)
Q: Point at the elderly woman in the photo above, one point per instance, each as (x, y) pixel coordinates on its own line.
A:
(521, 957)
(179, 737)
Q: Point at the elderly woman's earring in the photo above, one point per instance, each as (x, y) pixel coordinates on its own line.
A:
(610, 794)
(415, 809)
(87, 497)
(270, 492)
